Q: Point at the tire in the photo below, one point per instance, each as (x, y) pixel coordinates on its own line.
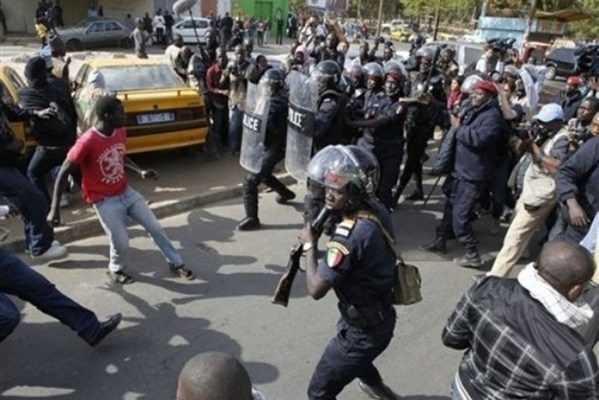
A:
(551, 73)
(74, 45)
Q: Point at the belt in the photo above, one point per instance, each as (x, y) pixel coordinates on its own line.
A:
(365, 316)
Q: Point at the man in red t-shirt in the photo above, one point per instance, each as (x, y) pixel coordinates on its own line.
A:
(100, 154)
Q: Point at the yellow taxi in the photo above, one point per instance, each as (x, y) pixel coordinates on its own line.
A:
(162, 112)
(11, 83)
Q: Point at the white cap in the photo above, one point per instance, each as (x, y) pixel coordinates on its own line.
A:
(550, 112)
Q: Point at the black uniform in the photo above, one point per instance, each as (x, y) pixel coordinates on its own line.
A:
(276, 126)
(360, 267)
(329, 129)
(385, 140)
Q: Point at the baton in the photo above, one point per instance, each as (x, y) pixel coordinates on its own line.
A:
(428, 197)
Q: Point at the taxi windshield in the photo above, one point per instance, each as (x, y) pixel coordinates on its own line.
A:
(140, 77)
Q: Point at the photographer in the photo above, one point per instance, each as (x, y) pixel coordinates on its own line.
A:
(538, 197)
(571, 97)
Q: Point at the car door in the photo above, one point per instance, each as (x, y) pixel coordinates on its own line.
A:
(95, 34)
(114, 33)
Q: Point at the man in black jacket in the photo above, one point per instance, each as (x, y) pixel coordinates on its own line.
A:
(578, 189)
(478, 134)
(56, 134)
(521, 337)
(39, 236)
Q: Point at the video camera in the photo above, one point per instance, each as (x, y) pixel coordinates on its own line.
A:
(532, 131)
(587, 60)
(501, 46)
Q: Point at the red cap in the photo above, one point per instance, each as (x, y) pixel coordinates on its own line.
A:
(574, 81)
(486, 86)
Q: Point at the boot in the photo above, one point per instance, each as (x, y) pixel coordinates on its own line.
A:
(470, 260)
(379, 392)
(249, 224)
(439, 245)
(418, 193)
(284, 196)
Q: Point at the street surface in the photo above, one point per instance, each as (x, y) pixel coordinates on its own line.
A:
(227, 309)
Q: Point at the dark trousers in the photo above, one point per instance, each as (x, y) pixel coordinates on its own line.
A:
(462, 197)
(252, 181)
(280, 35)
(33, 208)
(18, 279)
(219, 130)
(389, 172)
(350, 355)
(416, 146)
(235, 129)
(501, 195)
(573, 234)
(44, 159)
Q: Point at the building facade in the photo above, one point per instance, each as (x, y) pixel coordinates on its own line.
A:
(263, 9)
(20, 13)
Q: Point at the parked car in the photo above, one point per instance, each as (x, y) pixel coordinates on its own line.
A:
(185, 29)
(560, 62)
(161, 111)
(96, 32)
(11, 83)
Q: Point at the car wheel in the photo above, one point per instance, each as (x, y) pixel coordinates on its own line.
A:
(73, 45)
(551, 73)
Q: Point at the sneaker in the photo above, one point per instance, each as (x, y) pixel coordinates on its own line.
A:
(469, 260)
(105, 329)
(436, 246)
(54, 252)
(249, 224)
(380, 392)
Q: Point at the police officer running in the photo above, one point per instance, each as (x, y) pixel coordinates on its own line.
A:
(269, 150)
(359, 266)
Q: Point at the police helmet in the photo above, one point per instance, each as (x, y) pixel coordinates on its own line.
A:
(374, 70)
(395, 69)
(327, 74)
(349, 168)
(427, 53)
(274, 78)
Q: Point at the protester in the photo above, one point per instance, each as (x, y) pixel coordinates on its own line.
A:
(215, 376)
(30, 202)
(173, 50)
(218, 94)
(20, 280)
(520, 336)
(226, 29)
(571, 97)
(159, 27)
(235, 73)
(100, 155)
(54, 135)
(140, 38)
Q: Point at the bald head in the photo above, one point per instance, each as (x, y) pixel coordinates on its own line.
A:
(565, 266)
(214, 376)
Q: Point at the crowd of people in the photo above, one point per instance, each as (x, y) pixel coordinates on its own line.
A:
(343, 126)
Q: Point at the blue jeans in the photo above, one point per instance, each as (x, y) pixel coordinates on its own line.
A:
(18, 279)
(114, 213)
(235, 128)
(33, 207)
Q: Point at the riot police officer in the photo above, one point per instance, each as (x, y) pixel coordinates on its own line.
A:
(422, 117)
(262, 156)
(448, 66)
(359, 266)
(383, 126)
(329, 124)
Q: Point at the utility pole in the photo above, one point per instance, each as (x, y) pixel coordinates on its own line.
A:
(437, 17)
(531, 16)
(380, 22)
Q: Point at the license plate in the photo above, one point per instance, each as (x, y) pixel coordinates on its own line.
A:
(157, 118)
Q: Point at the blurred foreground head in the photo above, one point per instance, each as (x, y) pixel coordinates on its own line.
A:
(214, 376)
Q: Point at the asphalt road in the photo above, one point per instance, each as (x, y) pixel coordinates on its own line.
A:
(226, 309)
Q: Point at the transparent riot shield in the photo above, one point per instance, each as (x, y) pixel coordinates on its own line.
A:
(303, 104)
(255, 118)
